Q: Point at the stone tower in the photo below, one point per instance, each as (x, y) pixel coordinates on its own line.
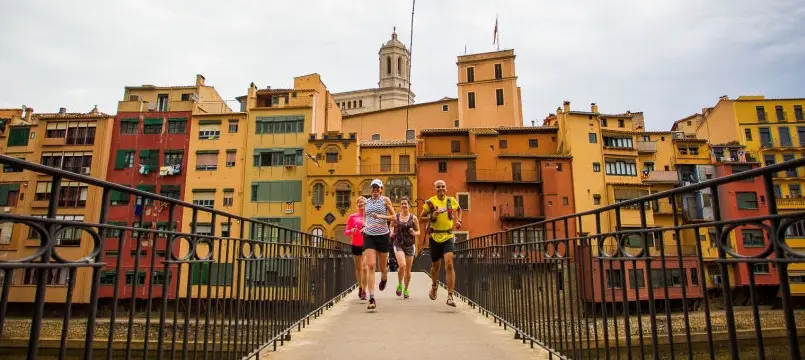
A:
(393, 61)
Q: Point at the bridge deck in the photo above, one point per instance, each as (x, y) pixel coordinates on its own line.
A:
(416, 328)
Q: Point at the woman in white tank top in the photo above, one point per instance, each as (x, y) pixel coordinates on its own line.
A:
(376, 239)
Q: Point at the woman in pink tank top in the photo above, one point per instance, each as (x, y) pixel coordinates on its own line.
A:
(354, 229)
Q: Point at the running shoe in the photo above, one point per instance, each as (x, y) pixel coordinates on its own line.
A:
(363, 294)
(383, 284)
(372, 303)
(405, 294)
(433, 289)
(399, 289)
(450, 301)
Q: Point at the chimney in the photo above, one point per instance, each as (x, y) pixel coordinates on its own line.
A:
(593, 108)
(94, 110)
(532, 123)
(62, 110)
(566, 106)
(724, 97)
(199, 80)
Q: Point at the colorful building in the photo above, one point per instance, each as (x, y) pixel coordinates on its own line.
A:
(74, 142)
(342, 171)
(150, 152)
(503, 177)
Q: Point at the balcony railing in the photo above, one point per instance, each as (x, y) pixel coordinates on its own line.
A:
(246, 284)
(580, 292)
(788, 203)
(373, 169)
(503, 176)
(647, 146)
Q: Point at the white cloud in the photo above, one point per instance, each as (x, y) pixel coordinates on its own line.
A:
(667, 58)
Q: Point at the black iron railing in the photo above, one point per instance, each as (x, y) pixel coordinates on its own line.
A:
(225, 290)
(597, 284)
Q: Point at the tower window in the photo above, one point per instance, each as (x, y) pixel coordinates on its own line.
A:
(498, 72)
(470, 74)
(399, 65)
(388, 64)
(471, 100)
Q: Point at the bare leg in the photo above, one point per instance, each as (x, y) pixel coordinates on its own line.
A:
(383, 257)
(403, 266)
(369, 261)
(409, 263)
(434, 275)
(359, 270)
(449, 272)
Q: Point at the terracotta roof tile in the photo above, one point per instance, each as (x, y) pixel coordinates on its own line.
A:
(66, 116)
(388, 143)
(535, 156)
(446, 156)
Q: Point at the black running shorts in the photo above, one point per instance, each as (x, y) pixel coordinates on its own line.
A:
(380, 243)
(439, 249)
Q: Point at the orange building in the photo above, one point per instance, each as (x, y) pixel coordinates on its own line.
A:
(502, 177)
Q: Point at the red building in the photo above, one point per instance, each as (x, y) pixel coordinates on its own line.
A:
(149, 152)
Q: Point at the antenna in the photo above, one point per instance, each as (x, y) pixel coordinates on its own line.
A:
(410, 60)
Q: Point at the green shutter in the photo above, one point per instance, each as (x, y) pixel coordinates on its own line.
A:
(209, 122)
(152, 122)
(130, 120)
(145, 153)
(18, 136)
(290, 151)
(120, 159)
(177, 119)
(279, 191)
(149, 188)
(207, 152)
(4, 189)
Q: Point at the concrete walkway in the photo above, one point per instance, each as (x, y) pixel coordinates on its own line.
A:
(416, 328)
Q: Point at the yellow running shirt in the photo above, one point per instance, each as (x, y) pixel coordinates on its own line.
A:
(442, 222)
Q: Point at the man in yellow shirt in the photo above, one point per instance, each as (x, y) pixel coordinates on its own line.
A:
(443, 213)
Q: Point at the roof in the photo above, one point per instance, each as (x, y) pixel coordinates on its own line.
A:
(400, 107)
(619, 183)
(388, 143)
(490, 131)
(602, 114)
(154, 87)
(656, 132)
(626, 132)
(498, 54)
(686, 118)
(691, 140)
(66, 116)
(272, 91)
(446, 156)
(534, 156)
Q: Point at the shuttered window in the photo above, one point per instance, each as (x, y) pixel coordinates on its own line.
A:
(276, 191)
(18, 136)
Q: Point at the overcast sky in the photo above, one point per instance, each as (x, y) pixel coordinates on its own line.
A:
(666, 58)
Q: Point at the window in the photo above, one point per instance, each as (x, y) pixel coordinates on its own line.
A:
(162, 102)
(596, 167)
(801, 135)
(614, 279)
(229, 197)
(9, 193)
(442, 166)
(785, 136)
(503, 144)
(533, 143)
(397, 188)
(8, 168)
(277, 191)
(288, 124)
(318, 194)
(173, 157)
(597, 199)
(470, 74)
(410, 134)
(471, 100)
(129, 126)
(54, 276)
(375, 137)
(463, 200)
(152, 126)
(385, 163)
(141, 253)
(794, 191)
(360, 103)
(212, 274)
(207, 160)
(455, 146)
(18, 136)
(455, 123)
(620, 123)
(498, 72)
(177, 125)
(790, 172)
(780, 113)
(798, 113)
(233, 126)
(565, 200)
(399, 65)
(171, 191)
(760, 268)
(778, 191)
(204, 197)
(444, 108)
(649, 166)
(636, 279)
(278, 157)
(231, 156)
(147, 188)
(693, 150)
(80, 133)
(593, 138)
(603, 122)
(225, 230)
(209, 129)
(331, 155)
(108, 277)
(752, 237)
(159, 278)
(761, 113)
(204, 229)
(499, 96)
(73, 194)
(748, 134)
(388, 64)
(740, 168)
(405, 163)
(149, 157)
(746, 200)
(343, 195)
(618, 142)
(621, 168)
(671, 278)
(56, 130)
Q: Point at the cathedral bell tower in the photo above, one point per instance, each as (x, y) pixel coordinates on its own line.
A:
(394, 60)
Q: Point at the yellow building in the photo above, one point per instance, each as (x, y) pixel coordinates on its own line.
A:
(282, 121)
(343, 170)
(488, 91)
(75, 142)
(773, 131)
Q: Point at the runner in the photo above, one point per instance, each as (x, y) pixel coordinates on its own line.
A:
(355, 230)
(403, 235)
(376, 239)
(442, 212)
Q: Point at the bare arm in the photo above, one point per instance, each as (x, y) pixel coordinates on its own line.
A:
(416, 226)
(460, 213)
(389, 208)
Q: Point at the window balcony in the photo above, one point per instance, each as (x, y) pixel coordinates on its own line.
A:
(791, 203)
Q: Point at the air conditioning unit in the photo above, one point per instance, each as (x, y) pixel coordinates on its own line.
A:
(85, 170)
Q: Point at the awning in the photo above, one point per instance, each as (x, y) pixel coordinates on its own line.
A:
(152, 122)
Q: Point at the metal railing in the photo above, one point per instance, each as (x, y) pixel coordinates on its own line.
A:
(202, 293)
(584, 290)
